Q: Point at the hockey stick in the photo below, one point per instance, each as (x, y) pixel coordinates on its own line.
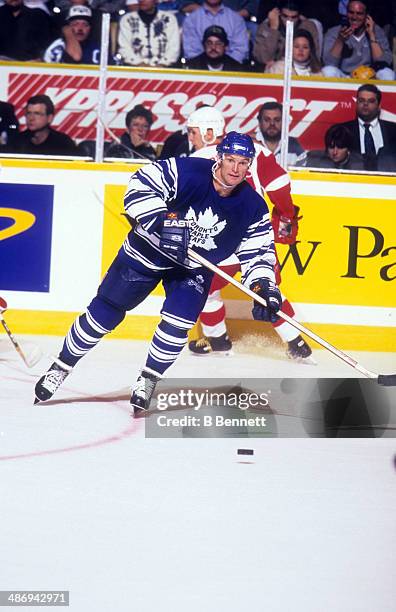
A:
(388, 380)
(30, 360)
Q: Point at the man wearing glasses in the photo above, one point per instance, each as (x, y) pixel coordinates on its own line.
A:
(40, 138)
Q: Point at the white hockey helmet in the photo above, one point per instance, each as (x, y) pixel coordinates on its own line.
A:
(206, 118)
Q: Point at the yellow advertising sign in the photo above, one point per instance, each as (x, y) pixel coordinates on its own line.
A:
(115, 227)
(345, 253)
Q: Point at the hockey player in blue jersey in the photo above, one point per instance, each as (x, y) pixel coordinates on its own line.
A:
(175, 204)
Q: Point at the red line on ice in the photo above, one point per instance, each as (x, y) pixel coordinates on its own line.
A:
(125, 433)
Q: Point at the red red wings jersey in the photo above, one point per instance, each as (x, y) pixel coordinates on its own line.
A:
(265, 175)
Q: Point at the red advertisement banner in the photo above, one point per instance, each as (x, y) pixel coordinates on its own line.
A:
(172, 96)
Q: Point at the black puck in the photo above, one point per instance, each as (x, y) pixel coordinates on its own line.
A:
(245, 451)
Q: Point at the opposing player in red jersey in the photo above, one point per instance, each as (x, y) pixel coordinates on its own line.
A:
(205, 128)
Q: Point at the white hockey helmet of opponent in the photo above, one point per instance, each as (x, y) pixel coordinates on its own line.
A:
(207, 118)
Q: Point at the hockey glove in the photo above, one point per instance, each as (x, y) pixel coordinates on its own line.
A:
(285, 229)
(175, 236)
(270, 292)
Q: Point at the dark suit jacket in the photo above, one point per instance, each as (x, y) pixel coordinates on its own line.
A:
(388, 129)
(8, 128)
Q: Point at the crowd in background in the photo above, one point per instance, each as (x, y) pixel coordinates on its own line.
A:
(335, 39)
(367, 143)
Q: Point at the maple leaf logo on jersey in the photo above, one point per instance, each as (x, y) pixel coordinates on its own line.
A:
(205, 228)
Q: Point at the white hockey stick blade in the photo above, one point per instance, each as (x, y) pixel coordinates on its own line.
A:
(33, 356)
(30, 359)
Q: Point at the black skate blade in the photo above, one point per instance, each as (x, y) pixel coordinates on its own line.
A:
(139, 413)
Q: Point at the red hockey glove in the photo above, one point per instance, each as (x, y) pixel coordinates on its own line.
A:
(285, 229)
(3, 305)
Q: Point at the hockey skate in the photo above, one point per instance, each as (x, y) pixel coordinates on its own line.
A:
(143, 391)
(207, 345)
(300, 351)
(51, 381)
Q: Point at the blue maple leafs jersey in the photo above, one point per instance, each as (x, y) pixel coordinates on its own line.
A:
(219, 226)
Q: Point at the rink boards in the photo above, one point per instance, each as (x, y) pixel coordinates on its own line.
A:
(61, 225)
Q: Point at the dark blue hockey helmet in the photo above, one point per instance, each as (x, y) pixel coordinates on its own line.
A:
(235, 143)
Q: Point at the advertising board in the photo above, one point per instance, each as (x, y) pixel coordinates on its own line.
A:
(66, 227)
(316, 103)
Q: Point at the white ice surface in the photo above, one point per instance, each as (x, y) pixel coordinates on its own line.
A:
(126, 523)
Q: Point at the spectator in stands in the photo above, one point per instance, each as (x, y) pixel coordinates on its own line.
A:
(383, 12)
(40, 138)
(337, 153)
(62, 8)
(176, 145)
(269, 45)
(247, 9)
(134, 142)
(9, 127)
(360, 42)
(326, 12)
(149, 37)
(369, 132)
(24, 32)
(213, 12)
(305, 61)
(269, 133)
(77, 45)
(214, 57)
